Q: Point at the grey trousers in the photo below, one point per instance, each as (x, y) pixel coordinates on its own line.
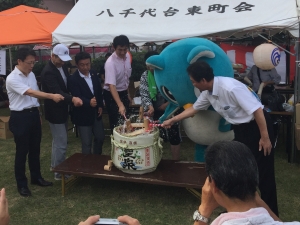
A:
(59, 143)
(86, 134)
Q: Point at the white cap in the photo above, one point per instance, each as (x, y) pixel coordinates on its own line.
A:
(62, 52)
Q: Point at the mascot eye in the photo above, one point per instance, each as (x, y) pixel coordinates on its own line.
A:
(197, 92)
(168, 94)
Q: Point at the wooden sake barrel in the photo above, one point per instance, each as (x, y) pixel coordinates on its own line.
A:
(136, 155)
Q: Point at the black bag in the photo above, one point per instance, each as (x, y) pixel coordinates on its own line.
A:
(268, 88)
(275, 101)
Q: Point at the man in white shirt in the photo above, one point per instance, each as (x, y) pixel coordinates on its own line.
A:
(54, 79)
(25, 121)
(240, 107)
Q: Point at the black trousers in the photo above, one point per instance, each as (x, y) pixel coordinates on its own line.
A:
(112, 108)
(249, 134)
(26, 127)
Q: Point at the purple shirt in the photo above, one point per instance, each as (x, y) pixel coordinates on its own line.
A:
(117, 72)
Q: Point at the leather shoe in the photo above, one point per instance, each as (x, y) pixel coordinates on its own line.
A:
(41, 182)
(24, 191)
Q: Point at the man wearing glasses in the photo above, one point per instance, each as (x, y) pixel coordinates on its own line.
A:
(25, 121)
(54, 79)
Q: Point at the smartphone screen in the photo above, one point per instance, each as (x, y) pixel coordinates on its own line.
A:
(107, 221)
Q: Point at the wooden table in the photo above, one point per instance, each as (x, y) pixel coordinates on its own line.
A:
(190, 175)
(284, 89)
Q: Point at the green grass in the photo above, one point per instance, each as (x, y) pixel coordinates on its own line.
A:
(151, 204)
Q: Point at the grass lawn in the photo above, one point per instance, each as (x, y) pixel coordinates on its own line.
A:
(151, 204)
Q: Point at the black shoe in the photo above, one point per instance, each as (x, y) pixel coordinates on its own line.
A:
(41, 182)
(24, 191)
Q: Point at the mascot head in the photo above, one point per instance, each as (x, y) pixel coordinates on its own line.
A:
(266, 56)
(170, 69)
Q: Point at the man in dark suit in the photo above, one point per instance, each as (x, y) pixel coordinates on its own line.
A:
(54, 80)
(88, 117)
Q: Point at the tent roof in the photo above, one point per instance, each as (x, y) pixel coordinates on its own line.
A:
(96, 23)
(28, 25)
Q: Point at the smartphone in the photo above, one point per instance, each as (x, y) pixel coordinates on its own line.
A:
(108, 221)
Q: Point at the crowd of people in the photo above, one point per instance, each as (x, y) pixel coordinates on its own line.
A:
(235, 169)
(79, 94)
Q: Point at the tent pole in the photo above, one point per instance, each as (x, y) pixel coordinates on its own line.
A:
(10, 60)
(296, 93)
(288, 60)
(275, 44)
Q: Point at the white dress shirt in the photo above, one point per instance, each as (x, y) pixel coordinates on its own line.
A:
(231, 99)
(17, 84)
(88, 80)
(63, 75)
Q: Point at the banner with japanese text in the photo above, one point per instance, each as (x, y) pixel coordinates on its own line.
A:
(96, 23)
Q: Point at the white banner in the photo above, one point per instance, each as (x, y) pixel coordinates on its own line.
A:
(3, 62)
(97, 22)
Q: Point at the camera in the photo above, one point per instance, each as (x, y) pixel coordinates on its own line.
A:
(108, 221)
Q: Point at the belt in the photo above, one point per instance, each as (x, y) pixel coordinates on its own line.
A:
(33, 109)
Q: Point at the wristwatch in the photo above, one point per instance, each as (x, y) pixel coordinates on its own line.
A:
(198, 217)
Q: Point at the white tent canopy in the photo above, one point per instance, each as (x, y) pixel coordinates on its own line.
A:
(97, 22)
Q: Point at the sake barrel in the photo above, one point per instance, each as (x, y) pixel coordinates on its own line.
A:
(136, 155)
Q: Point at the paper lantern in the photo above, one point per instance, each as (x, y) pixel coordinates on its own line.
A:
(266, 56)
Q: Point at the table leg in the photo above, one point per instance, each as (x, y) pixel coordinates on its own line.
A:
(196, 193)
(63, 185)
(289, 137)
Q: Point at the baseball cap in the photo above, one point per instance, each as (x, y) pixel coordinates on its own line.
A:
(62, 52)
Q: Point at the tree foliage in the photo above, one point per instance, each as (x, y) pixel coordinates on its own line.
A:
(7, 4)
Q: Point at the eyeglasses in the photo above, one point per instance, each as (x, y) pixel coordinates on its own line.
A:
(30, 63)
